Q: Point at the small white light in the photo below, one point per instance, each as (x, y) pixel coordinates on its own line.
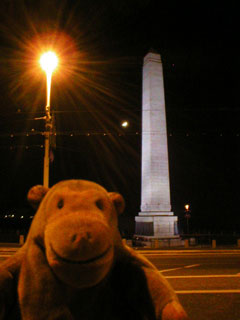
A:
(124, 124)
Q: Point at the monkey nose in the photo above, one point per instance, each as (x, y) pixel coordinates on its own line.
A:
(81, 238)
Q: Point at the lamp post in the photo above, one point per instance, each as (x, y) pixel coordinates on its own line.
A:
(187, 215)
(48, 62)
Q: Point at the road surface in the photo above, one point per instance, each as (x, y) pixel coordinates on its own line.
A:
(207, 282)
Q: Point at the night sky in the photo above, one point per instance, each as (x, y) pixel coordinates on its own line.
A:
(101, 46)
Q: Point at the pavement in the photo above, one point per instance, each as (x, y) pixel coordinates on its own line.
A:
(10, 245)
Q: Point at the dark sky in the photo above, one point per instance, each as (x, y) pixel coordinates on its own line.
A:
(101, 45)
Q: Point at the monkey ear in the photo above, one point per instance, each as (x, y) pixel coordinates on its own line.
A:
(118, 201)
(35, 195)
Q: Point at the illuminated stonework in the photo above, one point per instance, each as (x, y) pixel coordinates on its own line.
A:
(156, 218)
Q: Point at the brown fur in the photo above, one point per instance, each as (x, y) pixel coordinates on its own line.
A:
(74, 265)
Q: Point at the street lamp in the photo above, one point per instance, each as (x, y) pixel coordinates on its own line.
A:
(48, 62)
(124, 124)
(187, 215)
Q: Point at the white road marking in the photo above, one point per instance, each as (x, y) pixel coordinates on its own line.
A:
(192, 266)
(189, 253)
(205, 276)
(207, 291)
(173, 269)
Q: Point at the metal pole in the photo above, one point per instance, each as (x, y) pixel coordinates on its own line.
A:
(48, 131)
(46, 161)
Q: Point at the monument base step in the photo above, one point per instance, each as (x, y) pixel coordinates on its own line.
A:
(155, 213)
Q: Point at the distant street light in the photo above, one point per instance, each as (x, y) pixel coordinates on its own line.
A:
(48, 62)
(187, 215)
(125, 124)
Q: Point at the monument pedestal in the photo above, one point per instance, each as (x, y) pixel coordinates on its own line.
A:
(156, 225)
(157, 230)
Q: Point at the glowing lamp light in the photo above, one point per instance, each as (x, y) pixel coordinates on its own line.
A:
(124, 124)
(49, 61)
(187, 206)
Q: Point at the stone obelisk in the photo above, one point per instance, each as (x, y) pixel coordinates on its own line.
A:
(156, 218)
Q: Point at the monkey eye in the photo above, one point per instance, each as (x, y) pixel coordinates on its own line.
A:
(60, 204)
(99, 204)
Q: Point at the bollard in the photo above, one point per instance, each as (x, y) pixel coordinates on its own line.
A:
(21, 239)
(129, 243)
(156, 244)
(186, 243)
(238, 243)
(124, 242)
(152, 243)
(214, 244)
